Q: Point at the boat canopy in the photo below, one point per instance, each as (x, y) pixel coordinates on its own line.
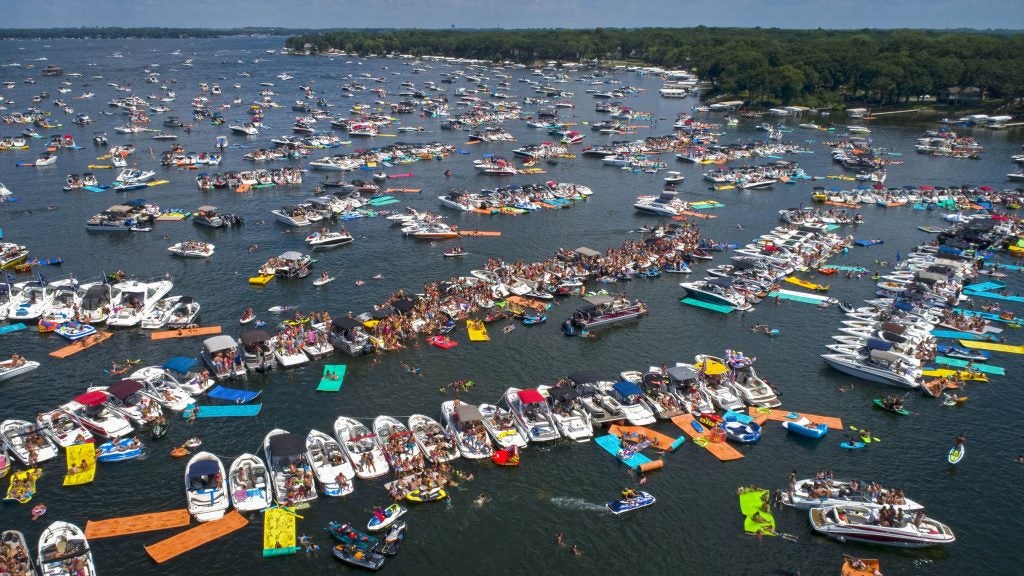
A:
(879, 344)
(254, 337)
(626, 389)
(181, 364)
(345, 323)
(203, 468)
(287, 444)
(124, 388)
(585, 377)
(291, 255)
(712, 367)
(886, 356)
(562, 393)
(93, 398)
(206, 209)
(384, 312)
(599, 300)
(468, 413)
(530, 396)
(96, 296)
(584, 251)
(219, 343)
(682, 373)
(404, 305)
(723, 282)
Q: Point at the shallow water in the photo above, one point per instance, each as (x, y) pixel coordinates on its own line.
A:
(560, 487)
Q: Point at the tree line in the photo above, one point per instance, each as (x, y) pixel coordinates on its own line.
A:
(767, 65)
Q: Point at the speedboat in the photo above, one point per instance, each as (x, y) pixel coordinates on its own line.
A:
(29, 301)
(840, 492)
(192, 249)
(753, 390)
(91, 410)
(135, 300)
(26, 442)
(163, 390)
(287, 354)
(879, 366)
(502, 426)
(159, 314)
(11, 368)
(249, 484)
(178, 372)
(349, 335)
(221, 354)
(572, 419)
(289, 472)
(183, 313)
(432, 440)
(395, 441)
(532, 413)
(853, 523)
(62, 545)
(324, 240)
(125, 397)
(628, 399)
(330, 464)
(19, 558)
(465, 422)
(205, 488)
(63, 428)
(716, 291)
(359, 442)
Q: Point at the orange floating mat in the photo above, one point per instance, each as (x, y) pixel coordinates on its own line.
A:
(720, 450)
(487, 212)
(135, 524)
(658, 440)
(871, 567)
(701, 215)
(478, 233)
(537, 305)
(782, 416)
(193, 538)
(184, 332)
(407, 190)
(80, 345)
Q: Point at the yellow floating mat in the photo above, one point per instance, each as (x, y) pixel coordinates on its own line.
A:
(157, 182)
(477, 331)
(261, 280)
(80, 345)
(184, 332)
(967, 375)
(136, 524)
(76, 454)
(193, 538)
(171, 217)
(278, 532)
(783, 416)
(807, 284)
(995, 347)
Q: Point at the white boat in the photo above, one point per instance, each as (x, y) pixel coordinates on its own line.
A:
(11, 368)
(502, 426)
(205, 488)
(95, 306)
(853, 523)
(286, 356)
(324, 240)
(192, 249)
(221, 354)
(179, 372)
(396, 441)
(360, 443)
(432, 440)
(532, 413)
(465, 423)
(67, 298)
(292, 216)
(29, 301)
(809, 493)
(330, 464)
(184, 313)
(26, 442)
(162, 389)
(285, 454)
(249, 484)
(879, 366)
(63, 428)
(134, 300)
(572, 419)
(91, 410)
(627, 398)
(126, 398)
(160, 314)
(19, 556)
(64, 551)
(716, 291)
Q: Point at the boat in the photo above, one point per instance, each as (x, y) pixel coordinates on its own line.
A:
(878, 366)
(744, 379)
(465, 423)
(572, 419)
(386, 517)
(285, 452)
(16, 367)
(159, 315)
(19, 558)
(95, 306)
(256, 350)
(330, 464)
(361, 558)
(221, 354)
(22, 485)
(810, 493)
(628, 399)
(432, 439)
(249, 484)
(30, 300)
(359, 442)
(210, 217)
(717, 291)
(394, 538)
(396, 441)
(502, 426)
(91, 411)
(324, 240)
(532, 414)
(63, 428)
(134, 300)
(853, 523)
(421, 495)
(639, 500)
(26, 442)
(292, 216)
(64, 551)
(805, 427)
(125, 398)
(192, 249)
(890, 407)
(602, 310)
(205, 489)
(177, 373)
(119, 450)
(183, 313)
(350, 336)
(353, 539)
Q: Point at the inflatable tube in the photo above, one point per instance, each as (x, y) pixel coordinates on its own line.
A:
(652, 465)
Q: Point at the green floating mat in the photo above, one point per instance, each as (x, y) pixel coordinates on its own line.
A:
(329, 384)
(958, 363)
(707, 305)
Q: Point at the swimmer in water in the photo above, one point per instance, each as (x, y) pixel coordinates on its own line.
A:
(481, 500)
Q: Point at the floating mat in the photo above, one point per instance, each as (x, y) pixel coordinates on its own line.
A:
(720, 450)
(657, 440)
(993, 295)
(76, 454)
(478, 233)
(96, 188)
(700, 215)
(185, 332)
(985, 286)
(136, 524)
(224, 411)
(945, 373)
(381, 199)
(261, 280)
(538, 305)
(1002, 266)
(956, 335)
(783, 416)
(80, 345)
(845, 268)
(332, 384)
(981, 314)
(995, 347)
(611, 445)
(278, 532)
(794, 296)
(194, 538)
(738, 416)
(958, 363)
(707, 305)
(385, 202)
(477, 331)
(233, 394)
(12, 328)
(752, 501)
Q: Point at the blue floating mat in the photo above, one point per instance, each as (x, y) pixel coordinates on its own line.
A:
(707, 305)
(960, 335)
(233, 394)
(985, 286)
(1013, 267)
(982, 314)
(795, 297)
(12, 328)
(611, 445)
(332, 384)
(225, 411)
(737, 416)
(958, 363)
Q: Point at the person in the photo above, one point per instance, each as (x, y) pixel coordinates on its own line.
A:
(792, 485)
(559, 539)
(959, 442)
(576, 550)
(629, 494)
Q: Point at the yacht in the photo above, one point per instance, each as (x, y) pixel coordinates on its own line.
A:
(716, 291)
(878, 366)
(135, 300)
(291, 215)
(853, 523)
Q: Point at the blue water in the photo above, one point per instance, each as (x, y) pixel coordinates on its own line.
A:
(696, 523)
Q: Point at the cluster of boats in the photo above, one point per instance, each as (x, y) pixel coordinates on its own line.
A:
(749, 177)
(517, 198)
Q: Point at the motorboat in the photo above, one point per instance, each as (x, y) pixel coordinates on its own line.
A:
(367, 559)
(571, 418)
(292, 216)
(63, 428)
(126, 398)
(205, 488)
(432, 439)
(602, 310)
(91, 411)
(805, 427)
(257, 348)
(285, 454)
(532, 413)
(465, 423)
(210, 217)
(134, 300)
(62, 545)
(159, 315)
(502, 426)
(324, 240)
(744, 379)
(290, 264)
(184, 313)
(179, 372)
(249, 484)
(717, 291)
(67, 297)
(395, 440)
(220, 353)
(12, 254)
(853, 523)
(330, 464)
(878, 366)
(657, 393)
(350, 336)
(19, 557)
(686, 384)
(26, 442)
(162, 389)
(192, 249)
(810, 493)
(717, 384)
(360, 443)
(30, 300)
(95, 305)
(287, 354)
(627, 397)
(16, 367)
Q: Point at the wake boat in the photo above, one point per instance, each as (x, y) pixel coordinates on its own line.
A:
(810, 493)
(532, 413)
(205, 489)
(744, 379)
(62, 545)
(249, 484)
(627, 398)
(163, 390)
(571, 418)
(359, 442)
(716, 291)
(126, 398)
(285, 452)
(135, 300)
(178, 372)
(91, 411)
(63, 428)
(465, 422)
(330, 464)
(26, 442)
(394, 439)
(502, 426)
(95, 305)
(879, 366)
(432, 440)
(853, 523)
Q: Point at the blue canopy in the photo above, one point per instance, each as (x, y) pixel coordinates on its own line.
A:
(181, 364)
(203, 468)
(626, 389)
(878, 344)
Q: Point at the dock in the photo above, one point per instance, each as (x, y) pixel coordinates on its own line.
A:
(76, 347)
(720, 450)
(185, 332)
(193, 538)
(833, 422)
(137, 524)
(479, 233)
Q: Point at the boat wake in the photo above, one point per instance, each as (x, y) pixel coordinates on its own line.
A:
(577, 504)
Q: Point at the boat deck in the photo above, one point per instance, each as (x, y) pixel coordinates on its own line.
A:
(136, 524)
(193, 538)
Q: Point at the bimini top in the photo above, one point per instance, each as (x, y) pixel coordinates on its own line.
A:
(530, 396)
(681, 373)
(124, 388)
(254, 336)
(562, 393)
(598, 300)
(586, 377)
(627, 389)
(291, 255)
(93, 398)
(181, 364)
(202, 468)
(345, 323)
(219, 343)
(287, 444)
(468, 413)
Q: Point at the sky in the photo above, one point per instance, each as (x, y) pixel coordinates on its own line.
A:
(980, 14)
